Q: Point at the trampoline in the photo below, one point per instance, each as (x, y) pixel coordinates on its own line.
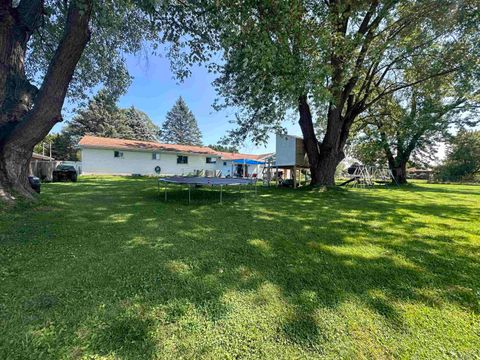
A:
(204, 181)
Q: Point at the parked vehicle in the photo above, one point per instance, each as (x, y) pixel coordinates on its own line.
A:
(35, 183)
(65, 173)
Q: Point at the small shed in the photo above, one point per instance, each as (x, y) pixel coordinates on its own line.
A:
(290, 151)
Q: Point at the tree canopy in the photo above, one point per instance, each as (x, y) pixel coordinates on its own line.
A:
(116, 27)
(415, 120)
(224, 148)
(180, 126)
(101, 117)
(333, 60)
(62, 147)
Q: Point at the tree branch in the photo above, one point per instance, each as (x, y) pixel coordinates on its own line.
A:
(403, 86)
(366, 29)
(30, 14)
(49, 101)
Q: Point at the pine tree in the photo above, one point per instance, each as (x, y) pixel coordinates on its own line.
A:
(180, 126)
(102, 117)
(139, 125)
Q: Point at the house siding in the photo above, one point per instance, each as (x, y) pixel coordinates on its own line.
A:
(102, 161)
(224, 170)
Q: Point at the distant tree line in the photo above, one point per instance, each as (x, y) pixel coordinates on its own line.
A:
(224, 148)
(463, 158)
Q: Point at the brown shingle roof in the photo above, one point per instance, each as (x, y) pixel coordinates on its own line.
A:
(89, 141)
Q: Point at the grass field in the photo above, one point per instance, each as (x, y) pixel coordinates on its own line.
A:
(104, 269)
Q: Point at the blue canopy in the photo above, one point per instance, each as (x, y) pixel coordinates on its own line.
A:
(248, 162)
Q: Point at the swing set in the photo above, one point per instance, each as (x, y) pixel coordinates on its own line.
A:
(367, 176)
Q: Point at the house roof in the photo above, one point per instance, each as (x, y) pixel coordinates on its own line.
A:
(238, 156)
(89, 141)
(97, 142)
(264, 156)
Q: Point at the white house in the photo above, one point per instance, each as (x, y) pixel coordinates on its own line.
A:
(125, 157)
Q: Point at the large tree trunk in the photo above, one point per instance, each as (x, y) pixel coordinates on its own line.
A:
(16, 93)
(309, 139)
(323, 158)
(14, 171)
(331, 148)
(397, 164)
(27, 115)
(327, 167)
(399, 171)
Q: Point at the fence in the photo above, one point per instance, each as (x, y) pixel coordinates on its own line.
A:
(43, 169)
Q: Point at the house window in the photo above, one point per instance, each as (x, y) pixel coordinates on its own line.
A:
(155, 156)
(118, 154)
(211, 160)
(224, 163)
(181, 159)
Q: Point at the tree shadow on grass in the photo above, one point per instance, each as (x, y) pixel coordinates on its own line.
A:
(446, 189)
(320, 250)
(123, 334)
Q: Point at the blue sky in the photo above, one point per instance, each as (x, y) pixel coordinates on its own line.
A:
(154, 91)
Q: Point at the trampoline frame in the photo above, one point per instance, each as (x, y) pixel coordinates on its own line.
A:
(195, 181)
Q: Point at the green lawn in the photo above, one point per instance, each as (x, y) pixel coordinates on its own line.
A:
(105, 269)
